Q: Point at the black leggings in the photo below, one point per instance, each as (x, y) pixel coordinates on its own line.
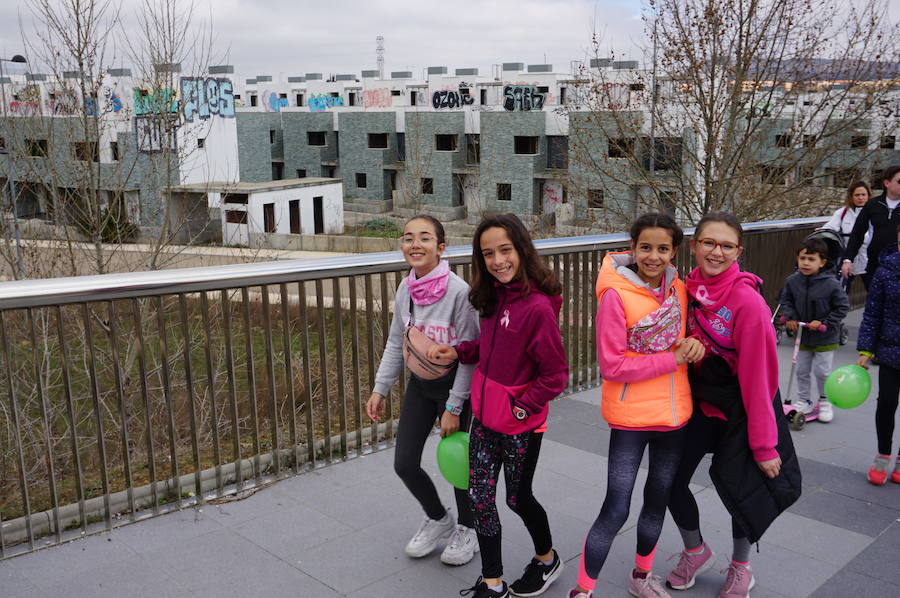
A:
(626, 449)
(702, 435)
(425, 402)
(888, 394)
(518, 454)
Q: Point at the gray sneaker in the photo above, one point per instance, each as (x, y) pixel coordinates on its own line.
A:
(427, 536)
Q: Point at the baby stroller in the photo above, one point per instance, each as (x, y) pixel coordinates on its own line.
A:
(835, 251)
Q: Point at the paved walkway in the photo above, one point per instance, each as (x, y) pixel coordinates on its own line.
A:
(340, 531)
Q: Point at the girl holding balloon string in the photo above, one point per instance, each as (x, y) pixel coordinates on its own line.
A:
(435, 301)
(521, 366)
(879, 337)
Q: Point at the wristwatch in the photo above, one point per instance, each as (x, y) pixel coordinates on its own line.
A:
(454, 410)
(519, 413)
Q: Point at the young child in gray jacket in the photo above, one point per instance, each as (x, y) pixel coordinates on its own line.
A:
(814, 295)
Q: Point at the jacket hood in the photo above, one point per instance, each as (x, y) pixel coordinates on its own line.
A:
(712, 293)
(616, 274)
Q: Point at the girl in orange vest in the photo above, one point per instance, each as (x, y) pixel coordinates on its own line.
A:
(646, 398)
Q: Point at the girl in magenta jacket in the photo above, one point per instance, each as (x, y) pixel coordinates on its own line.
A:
(730, 317)
(521, 367)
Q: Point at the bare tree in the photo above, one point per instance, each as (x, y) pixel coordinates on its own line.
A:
(748, 105)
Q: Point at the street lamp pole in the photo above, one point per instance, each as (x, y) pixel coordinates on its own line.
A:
(10, 172)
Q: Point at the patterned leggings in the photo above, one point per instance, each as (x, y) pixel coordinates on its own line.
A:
(518, 454)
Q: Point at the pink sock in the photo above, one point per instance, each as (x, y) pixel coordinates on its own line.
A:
(645, 562)
(584, 580)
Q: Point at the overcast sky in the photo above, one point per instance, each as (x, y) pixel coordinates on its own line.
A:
(338, 36)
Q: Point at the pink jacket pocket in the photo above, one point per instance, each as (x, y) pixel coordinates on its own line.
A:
(492, 404)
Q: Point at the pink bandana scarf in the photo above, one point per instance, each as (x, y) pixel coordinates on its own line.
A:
(431, 287)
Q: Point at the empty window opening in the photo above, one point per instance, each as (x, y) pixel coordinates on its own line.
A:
(445, 143)
(526, 145)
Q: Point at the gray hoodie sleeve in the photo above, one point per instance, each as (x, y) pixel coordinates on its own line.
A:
(467, 329)
(391, 366)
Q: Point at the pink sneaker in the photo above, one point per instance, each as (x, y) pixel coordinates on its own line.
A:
(647, 587)
(738, 581)
(690, 565)
(573, 593)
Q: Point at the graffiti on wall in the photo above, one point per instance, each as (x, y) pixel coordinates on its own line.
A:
(206, 97)
(112, 99)
(272, 102)
(26, 101)
(64, 102)
(377, 98)
(319, 102)
(522, 97)
(450, 99)
(155, 134)
(154, 101)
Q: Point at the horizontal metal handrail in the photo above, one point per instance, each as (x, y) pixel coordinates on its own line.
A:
(104, 287)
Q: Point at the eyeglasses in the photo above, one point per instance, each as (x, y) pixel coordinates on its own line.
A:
(409, 240)
(711, 244)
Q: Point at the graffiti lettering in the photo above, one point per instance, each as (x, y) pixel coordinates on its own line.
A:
(155, 134)
(450, 99)
(319, 102)
(27, 101)
(154, 102)
(522, 97)
(377, 98)
(273, 103)
(113, 102)
(65, 102)
(206, 97)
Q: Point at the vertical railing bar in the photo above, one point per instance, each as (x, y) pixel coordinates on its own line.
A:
(192, 405)
(567, 310)
(167, 395)
(339, 360)
(14, 410)
(211, 383)
(270, 375)
(354, 345)
(98, 419)
(323, 368)
(251, 383)
(307, 376)
(370, 348)
(232, 393)
(588, 318)
(123, 411)
(289, 373)
(145, 398)
(45, 418)
(594, 306)
(385, 331)
(70, 412)
(576, 322)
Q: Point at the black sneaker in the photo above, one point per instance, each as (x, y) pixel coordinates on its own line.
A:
(537, 577)
(481, 590)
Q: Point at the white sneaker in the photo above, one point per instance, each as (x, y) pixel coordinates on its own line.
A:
(802, 406)
(428, 534)
(462, 546)
(826, 412)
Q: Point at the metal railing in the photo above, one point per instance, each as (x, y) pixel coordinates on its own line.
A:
(127, 395)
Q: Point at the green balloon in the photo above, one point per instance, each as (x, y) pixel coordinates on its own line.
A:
(453, 459)
(848, 386)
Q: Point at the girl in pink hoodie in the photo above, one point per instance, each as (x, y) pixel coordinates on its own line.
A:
(521, 367)
(730, 317)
